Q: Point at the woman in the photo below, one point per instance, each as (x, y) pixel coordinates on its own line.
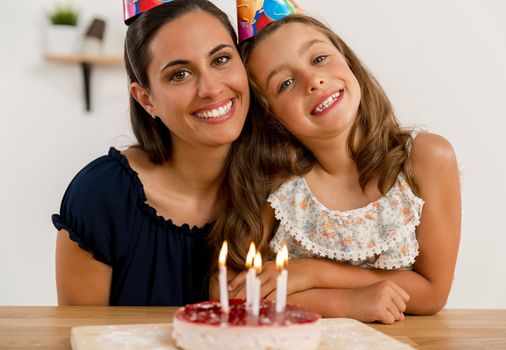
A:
(133, 225)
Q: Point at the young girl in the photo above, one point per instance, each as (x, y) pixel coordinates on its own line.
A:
(379, 206)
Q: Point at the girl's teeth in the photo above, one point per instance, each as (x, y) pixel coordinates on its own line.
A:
(325, 104)
(215, 113)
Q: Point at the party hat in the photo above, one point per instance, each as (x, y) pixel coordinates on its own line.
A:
(133, 8)
(253, 15)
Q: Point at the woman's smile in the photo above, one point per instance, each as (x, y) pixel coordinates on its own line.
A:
(216, 112)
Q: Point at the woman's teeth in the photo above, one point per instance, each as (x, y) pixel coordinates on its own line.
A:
(215, 113)
(325, 104)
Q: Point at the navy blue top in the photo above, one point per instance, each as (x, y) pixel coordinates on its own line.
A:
(154, 262)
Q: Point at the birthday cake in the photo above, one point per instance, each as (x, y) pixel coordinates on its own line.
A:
(204, 326)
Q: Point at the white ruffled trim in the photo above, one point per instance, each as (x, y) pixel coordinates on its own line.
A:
(405, 232)
(387, 262)
(325, 252)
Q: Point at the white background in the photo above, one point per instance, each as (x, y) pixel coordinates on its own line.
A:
(441, 62)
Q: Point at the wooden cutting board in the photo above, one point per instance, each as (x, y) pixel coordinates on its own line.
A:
(337, 333)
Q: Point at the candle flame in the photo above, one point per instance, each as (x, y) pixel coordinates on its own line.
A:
(258, 262)
(223, 254)
(284, 252)
(280, 260)
(251, 255)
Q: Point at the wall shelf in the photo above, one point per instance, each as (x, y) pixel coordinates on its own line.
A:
(86, 62)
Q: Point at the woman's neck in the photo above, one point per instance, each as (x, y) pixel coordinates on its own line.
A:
(200, 171)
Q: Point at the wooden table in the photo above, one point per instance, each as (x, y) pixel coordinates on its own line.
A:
(49, 327)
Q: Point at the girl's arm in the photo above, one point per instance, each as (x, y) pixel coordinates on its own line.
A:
(436, 174)
(384, 302)
(80, 279)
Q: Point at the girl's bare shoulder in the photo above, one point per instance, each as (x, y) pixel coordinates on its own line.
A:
(431, 154)
(429, 147)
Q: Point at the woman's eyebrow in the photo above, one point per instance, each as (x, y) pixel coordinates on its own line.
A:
(174, 63)
(218, 48)
(181, 61)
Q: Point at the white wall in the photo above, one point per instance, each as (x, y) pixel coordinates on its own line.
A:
(442, 63)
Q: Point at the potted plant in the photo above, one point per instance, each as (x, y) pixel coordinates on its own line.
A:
(62, 32)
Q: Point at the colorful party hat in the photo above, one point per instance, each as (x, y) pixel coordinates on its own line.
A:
(253, 15)
(133, 8)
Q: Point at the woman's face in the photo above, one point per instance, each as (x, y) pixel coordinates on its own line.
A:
(307, 82)
(198, 84)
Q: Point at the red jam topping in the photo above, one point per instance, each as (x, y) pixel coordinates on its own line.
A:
(210, 313)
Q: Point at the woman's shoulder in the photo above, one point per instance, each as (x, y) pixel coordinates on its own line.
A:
(99, 204)
(105, 176)
(136, 158)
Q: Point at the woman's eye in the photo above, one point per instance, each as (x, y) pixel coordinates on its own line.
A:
(221, 60)
(319, 59)
(180, 75)
(284, 85)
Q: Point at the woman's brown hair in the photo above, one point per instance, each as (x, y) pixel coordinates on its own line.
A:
(243, 189)
(376, 143)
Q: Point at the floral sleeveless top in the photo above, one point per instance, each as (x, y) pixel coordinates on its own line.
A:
(380, 235)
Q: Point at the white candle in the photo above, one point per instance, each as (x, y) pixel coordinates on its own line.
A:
(282, 279)
(255, 305)
(281, 290)
(250, 275)
(255, 308)
(222, 277)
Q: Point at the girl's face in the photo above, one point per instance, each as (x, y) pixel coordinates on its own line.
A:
(307, 82)
(198, 84)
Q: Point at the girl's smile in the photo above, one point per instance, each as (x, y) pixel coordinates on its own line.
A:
(327, 102)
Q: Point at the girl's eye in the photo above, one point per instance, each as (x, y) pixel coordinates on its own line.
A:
(319, 59)
(180, 75)
(221, 60)
(285, 85)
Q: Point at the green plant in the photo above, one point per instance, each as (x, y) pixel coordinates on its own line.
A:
(64, 15)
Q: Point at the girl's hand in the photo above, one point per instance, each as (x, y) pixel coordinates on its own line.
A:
(383, 302)
(299, 279)
(237, 286)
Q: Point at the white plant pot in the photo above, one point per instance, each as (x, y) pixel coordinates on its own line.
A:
(61, 40)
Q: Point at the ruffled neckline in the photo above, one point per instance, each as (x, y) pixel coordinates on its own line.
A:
(354, 211)
(138, 187)
(354, 235)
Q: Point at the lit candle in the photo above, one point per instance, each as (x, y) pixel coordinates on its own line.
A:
(222, 277)
(250, 275)
(282, 279)
(256, 285)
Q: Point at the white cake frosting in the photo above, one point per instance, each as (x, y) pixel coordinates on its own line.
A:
(203, 326)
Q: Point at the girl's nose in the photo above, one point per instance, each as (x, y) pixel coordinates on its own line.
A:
(314, 82)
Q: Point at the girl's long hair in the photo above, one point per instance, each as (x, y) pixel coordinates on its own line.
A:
(376, 143)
